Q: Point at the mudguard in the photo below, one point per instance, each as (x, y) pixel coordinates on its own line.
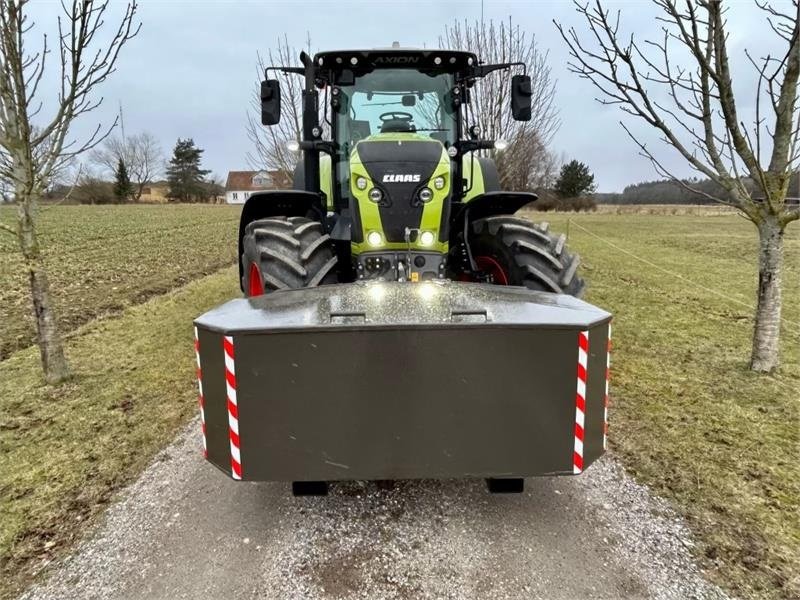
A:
(490, 204)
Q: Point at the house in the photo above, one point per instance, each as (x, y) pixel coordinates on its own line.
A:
(241, 184)
(155, 192)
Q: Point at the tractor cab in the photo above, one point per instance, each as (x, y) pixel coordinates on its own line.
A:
(399, 166)
(395, 101)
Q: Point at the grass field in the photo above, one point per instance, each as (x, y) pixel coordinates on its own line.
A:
(687, 417)
(65, 450)
(103, 258)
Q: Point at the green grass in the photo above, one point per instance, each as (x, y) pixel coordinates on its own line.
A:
(687, 417)
(101, 259)
(65, 450)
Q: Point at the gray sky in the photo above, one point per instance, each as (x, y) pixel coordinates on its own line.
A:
(191, 70)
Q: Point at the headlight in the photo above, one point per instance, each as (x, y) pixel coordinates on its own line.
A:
(374, 238)
(361, 183)
(425, 194)
(375, 195)
(426, 238)
(438, 183)
(500, 144)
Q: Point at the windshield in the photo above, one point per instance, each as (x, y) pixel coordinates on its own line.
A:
(392, 101)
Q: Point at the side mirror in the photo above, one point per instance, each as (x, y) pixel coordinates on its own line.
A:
(270, 102)
(521, 97)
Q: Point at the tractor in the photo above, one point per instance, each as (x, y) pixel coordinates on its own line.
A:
(397, 192)
(399, 320)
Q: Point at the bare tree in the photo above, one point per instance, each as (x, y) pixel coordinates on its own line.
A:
(91, 188)
(141, 154)
(527, 163)
(31, 153)
(269, 143)
(520, 165)
(694, 109)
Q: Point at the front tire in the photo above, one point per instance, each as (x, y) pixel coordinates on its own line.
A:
(286, 253)
(516, 251)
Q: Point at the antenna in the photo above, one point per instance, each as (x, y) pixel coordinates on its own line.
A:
(121, 121)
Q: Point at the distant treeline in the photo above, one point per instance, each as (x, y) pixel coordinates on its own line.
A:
(666, 191)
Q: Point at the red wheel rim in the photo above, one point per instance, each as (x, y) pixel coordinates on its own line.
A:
(256, 286)
(491, 267)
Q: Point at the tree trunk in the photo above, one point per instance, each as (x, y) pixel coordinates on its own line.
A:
(766, 335)
(54, 363)
(51, 350)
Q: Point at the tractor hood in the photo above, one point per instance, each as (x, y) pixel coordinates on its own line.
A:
(400, 181)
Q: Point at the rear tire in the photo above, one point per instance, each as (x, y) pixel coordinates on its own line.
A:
(286, 253)
(527, 254)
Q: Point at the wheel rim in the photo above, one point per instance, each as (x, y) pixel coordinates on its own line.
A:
(490, 266)
(255, 285)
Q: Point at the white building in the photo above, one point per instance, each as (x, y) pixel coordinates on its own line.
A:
(241, 184)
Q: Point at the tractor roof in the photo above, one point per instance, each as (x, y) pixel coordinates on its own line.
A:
(446, 61)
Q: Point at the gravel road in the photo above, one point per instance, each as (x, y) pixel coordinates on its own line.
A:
(183, 530)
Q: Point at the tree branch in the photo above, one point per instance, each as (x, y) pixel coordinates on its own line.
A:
(627, 76)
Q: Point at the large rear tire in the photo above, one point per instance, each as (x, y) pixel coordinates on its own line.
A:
(286, 253)
(516, 251)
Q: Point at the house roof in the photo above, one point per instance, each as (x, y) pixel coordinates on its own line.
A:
(243, 180)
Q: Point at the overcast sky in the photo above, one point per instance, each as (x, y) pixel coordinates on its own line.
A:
(191, 70)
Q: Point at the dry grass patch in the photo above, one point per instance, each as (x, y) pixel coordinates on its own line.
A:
(103, 258)
(64, 450)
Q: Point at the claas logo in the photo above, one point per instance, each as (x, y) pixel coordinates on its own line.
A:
(401, 178)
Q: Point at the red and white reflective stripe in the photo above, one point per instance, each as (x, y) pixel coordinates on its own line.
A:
(580, 401)
(233, 408)
(605, 398)
(201, 399)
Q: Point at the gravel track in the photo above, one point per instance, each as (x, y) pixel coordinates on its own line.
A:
(184, 530)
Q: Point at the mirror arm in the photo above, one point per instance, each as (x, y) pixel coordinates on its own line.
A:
(295, 70)
(326, 146)
(484, 70)
(465, 146)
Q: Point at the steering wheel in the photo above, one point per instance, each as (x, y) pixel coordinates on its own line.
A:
(396, 115)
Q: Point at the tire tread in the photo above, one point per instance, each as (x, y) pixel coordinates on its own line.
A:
(291, 253)
(533, 257)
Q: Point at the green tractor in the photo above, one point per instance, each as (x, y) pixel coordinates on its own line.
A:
(399, 322)
(397, 192)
